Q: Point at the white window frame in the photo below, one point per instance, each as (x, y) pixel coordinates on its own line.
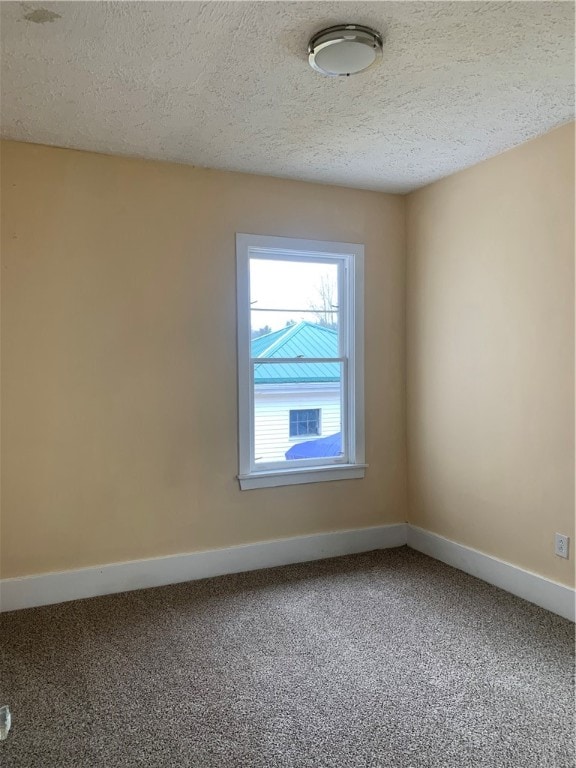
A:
(350, 258)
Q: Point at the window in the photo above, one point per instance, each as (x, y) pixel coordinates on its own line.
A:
(301, 356)
(305, 423)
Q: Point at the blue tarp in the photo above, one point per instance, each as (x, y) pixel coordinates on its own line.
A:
(320, 448)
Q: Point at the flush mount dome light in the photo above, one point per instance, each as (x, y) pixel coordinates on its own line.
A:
(344, 50)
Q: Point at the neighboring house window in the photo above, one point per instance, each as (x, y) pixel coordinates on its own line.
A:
(300, 352)
(305, 423)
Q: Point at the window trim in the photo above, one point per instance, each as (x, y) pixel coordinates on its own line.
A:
(352, 256)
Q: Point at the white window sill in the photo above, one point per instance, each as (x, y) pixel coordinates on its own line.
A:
(278, 477)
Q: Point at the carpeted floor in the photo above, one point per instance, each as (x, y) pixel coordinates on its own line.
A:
(386, 659)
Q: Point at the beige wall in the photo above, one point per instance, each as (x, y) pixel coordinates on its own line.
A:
(119, 358)
(491, 355)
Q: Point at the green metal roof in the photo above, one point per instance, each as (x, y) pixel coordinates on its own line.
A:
(262, 343)
(300, 340)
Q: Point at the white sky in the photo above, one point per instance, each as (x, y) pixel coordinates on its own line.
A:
(286, 285)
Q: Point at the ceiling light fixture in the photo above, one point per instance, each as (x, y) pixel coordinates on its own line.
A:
(344, 50)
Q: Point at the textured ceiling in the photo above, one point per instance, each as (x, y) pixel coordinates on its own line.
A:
(227, 84)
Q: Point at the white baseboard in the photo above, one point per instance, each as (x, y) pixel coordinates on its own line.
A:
(59, 587)
(548, 594)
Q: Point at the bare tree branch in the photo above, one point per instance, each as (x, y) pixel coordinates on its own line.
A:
(326, 305)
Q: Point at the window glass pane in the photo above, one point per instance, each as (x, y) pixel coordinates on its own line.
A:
(297, 411)
(286, 293)
(305, 422)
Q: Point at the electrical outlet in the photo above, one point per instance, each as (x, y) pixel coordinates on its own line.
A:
(561, 544)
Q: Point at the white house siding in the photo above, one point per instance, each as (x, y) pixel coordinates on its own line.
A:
(272, 406)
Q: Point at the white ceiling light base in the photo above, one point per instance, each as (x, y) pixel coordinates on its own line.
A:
(344, 50)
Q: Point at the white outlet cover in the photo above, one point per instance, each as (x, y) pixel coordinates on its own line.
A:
(561, 544)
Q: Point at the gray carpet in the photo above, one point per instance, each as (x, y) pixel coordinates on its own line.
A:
(386, 659)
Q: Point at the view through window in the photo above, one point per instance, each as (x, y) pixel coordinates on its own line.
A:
(294, 307)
